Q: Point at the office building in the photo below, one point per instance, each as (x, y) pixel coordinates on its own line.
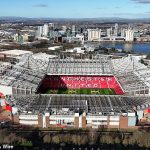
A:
(64, 28)
(108, 32)
(18, 38)
(80, 37)
(116, 30)
(123, 31)
(45, 30)
(74, 30)
(51, 26)
(116, 26)
(40, 31)
(94, 34)
(129, 35)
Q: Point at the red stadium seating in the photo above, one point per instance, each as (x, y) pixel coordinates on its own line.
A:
(9, 108)
(82, 82)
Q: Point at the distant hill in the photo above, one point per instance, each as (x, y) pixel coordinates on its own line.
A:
(105, 19)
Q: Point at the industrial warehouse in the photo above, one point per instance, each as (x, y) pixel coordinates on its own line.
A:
(77, 91)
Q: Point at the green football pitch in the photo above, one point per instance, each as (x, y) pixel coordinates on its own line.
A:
(83, 91)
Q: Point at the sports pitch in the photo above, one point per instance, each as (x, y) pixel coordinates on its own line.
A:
(82, 91)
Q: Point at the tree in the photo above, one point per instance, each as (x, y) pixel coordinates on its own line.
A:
(143, 62)
(117, 140)
(47, 139)
(56, 139)
(148, 56)
(74, 139)
(93, 136)
(66, 138)
(3, 134)
(84, 140)
(125, 142)
(107, 139)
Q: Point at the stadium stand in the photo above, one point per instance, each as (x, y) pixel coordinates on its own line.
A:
(81, 82)
(131, 75)
(99, 65)
(93, 104)
(25, 76)
(127, 64)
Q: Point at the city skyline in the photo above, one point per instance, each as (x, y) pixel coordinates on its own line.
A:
(75, 9)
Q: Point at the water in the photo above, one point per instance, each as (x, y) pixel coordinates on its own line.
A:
(135, 47)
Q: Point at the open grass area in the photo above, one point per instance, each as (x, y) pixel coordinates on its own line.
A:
(83, 91)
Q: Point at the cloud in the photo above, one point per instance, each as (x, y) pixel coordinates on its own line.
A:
(104, 8)
(117, 7)
(100, 8)
(142, 1)
(137, 6)
(40, 5)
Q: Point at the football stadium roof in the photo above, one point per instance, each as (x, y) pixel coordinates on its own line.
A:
(93, 104)
(132, 74)
(99, 65)
(27, 74)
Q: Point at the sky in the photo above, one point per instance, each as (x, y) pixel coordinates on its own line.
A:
(75, 8)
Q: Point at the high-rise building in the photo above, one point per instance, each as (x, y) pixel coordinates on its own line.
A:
(68, 32)
(51, 26)
(18, 38)
(81, 30)
(116, 26)
(108, 32)
(116, 30)
(130, 35)
(73, 30)
(40, 31)
(123, 31)
(81, 38)
(130, 26)
(94, 34)
(64, 28)
(45, 30)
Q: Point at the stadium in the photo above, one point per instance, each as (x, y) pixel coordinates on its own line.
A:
(76, 91)
(80, 76)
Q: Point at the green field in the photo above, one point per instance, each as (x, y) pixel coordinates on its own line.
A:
(83, 91)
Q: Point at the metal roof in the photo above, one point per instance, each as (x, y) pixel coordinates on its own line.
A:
(99, 65)
(93, 104)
